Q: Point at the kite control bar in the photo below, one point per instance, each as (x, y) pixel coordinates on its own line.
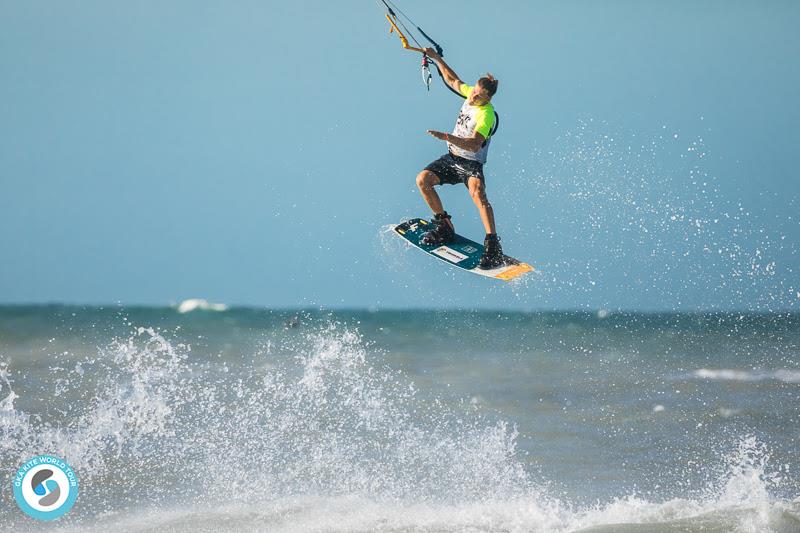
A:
(396, 24)
(391, 17)
(426, 71)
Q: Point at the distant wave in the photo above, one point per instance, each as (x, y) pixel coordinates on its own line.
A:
(194, 304)
(727, 374)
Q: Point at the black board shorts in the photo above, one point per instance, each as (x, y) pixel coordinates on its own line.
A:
(452, 169)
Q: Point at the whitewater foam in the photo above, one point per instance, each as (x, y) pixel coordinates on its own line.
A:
(199, 304)
(729, 374)
(322, 439)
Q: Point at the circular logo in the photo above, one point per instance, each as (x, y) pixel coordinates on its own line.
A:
(45, 487)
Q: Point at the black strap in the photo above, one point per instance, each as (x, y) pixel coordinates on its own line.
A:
(496, 123)
(494, 128)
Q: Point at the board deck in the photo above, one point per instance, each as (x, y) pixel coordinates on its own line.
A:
(462, 252)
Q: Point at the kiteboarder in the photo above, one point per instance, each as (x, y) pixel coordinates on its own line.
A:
(467, 147)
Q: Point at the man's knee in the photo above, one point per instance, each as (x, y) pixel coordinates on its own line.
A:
(426, 179)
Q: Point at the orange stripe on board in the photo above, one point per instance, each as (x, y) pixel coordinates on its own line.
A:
(515, 271)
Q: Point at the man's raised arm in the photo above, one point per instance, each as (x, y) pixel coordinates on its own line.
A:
(450, 76)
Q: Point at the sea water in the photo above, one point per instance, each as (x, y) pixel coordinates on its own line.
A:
(283, 420)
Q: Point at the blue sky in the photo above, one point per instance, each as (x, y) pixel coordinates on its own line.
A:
(251, 152)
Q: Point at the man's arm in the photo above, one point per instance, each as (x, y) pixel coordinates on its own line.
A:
(471, 144)
(450, 77)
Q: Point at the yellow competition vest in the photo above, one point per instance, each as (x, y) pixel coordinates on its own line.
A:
(472, 119)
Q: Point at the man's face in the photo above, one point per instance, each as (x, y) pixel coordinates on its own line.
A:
(479, 96)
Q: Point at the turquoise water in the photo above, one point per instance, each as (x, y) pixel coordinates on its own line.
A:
(270, 420)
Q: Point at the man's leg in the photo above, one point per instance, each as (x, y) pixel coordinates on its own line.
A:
(478, 192)
(492, 256)
(426, 181)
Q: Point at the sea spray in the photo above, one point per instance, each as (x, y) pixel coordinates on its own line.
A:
(324, 422)
(315, 429)
(641, 216)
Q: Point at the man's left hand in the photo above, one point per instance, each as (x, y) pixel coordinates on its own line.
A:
(438, 134)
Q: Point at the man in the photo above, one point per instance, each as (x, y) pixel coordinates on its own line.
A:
(467, 148)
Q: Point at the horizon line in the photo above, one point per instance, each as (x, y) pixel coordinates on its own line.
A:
(374, 309)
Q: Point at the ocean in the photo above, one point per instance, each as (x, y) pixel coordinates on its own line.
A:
(247, 419)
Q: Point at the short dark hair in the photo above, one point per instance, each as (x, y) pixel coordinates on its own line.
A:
(489, 83)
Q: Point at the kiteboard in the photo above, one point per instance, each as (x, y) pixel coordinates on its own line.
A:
(461, 252)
